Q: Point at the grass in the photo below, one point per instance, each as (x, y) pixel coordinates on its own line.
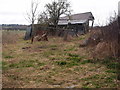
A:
(69, 49)
(23, 64)
(86, 61)
(94, 81)
(55, 63)
(111, 71)
(7, 36)
(67, 63)
(8, 57)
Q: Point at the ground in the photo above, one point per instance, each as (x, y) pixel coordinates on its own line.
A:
(55, 64)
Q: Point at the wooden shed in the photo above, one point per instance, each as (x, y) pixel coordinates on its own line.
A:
(79, 22)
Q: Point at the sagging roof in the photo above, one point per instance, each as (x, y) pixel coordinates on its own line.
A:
(65, 22)
(76, 18)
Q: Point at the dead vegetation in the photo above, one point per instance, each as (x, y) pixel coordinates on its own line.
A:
(103, 41)
(11, 37)
(55, 64)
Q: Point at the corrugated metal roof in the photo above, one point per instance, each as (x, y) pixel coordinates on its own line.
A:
(76, 18)
(65, 22)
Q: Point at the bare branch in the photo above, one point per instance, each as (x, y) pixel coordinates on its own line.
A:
(56, 9)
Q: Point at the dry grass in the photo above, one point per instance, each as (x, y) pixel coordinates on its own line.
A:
(55, 64)
(11, 37)
(104, 41)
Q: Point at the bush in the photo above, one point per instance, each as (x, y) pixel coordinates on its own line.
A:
(105, 40)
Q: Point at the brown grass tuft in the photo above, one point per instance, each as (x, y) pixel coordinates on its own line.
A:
(11, 37)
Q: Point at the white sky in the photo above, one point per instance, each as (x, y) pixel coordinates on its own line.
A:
(14, 11)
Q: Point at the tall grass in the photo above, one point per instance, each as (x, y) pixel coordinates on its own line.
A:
(108, 38)
(11, 37)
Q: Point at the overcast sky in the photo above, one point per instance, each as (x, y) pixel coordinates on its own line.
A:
(14, 11)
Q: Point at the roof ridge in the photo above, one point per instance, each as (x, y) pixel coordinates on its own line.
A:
(80, 16)
(81, 13)
(76, 14)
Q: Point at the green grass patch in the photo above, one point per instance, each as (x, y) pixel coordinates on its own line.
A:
(22, 64)
(52, 58)
(40, 64)
(67, 63)
(74, 57)
(70, 49)
(72, 60)
(110, 80)
(61, 63)
(99, 81)
(82, 38)
(78, 69)
(0, 65)
(111, 71)
(53, 46)
(86, 61)
(110, 63)
(48, 53)
(8, 57)
(5, 65)
(71, 64)
(91, 77)
(113, 65)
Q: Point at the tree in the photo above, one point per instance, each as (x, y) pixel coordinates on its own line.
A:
(56, 9)
(32, 15)
(43, 19)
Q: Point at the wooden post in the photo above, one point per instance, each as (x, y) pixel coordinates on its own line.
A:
(92, 23)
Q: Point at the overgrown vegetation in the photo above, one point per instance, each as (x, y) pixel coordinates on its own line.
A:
(103, 40)
(55, 64)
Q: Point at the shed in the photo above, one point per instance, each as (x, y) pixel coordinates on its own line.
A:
(79, 22)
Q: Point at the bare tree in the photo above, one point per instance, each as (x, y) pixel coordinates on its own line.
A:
(32, 15)
(43, 19)
(56, 9)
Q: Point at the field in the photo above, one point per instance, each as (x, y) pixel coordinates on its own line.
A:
(53, 64)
